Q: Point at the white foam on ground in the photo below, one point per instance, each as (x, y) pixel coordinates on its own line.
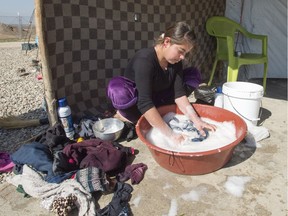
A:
(224, 135)
(136, 201)
(194, 195)
(167, 186)
(191, 196)
(173, 208)
(235, 185)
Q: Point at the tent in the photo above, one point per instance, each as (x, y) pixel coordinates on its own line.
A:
(267, 18)
(83, 44)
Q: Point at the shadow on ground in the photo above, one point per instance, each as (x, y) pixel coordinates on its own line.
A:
(275, 88)
(241, 153)
(12, 139)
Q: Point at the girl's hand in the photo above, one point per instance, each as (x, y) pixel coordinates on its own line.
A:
(177, 138)
(201, 125)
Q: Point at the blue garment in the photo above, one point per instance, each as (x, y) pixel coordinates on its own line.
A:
(187, 126)
(36, 155)
(59, 178)
(39, 157)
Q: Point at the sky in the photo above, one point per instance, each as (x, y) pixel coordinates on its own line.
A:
(13, 7)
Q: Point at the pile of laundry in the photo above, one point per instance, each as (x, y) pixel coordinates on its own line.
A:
(66, 174)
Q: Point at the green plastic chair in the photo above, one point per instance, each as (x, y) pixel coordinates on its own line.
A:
(225, 31)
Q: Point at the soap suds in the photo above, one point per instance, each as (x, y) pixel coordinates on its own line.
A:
(167, 186)
(136, 201)
(194, 195)
(173, 208)
(235, 185)
(224, 135)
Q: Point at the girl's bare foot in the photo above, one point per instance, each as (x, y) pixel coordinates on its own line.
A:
(120, 117)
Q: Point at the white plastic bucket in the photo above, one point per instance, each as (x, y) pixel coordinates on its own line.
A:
(244, 99)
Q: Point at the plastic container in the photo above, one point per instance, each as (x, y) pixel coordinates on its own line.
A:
(64, 113)
(194, 163)
(244, 99)
(218, 101)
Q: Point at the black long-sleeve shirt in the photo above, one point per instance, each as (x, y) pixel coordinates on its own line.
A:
(144, 69)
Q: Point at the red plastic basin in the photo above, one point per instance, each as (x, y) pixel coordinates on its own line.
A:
(194, 163)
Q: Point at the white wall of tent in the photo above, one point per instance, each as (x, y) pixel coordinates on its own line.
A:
(266, 17)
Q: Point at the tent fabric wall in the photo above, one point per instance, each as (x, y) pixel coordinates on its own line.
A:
(268, 18)
(83, 44)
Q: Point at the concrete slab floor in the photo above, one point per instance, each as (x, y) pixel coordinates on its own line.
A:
(258, 173)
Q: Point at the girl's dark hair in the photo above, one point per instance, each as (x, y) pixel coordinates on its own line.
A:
(179, 33)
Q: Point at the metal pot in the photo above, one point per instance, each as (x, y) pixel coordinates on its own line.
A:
(108, 129)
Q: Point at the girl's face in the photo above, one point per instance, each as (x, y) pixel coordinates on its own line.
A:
(175, 52)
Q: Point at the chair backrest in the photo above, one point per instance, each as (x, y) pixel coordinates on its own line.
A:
(221, 27)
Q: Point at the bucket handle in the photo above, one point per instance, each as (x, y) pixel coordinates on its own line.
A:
(241, 114)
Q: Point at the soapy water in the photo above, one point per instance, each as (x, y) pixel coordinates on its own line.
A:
(224, 135)
(109, 129)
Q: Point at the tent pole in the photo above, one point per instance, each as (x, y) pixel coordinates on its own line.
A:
(46, 70)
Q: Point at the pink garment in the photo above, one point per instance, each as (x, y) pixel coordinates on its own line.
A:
(135, 172)
(6, 165)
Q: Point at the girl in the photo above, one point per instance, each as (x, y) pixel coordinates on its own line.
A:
(154, 77)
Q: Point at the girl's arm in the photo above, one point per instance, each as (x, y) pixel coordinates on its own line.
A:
(156, 121)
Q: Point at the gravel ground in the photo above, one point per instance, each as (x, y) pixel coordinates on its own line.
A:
(21, 94)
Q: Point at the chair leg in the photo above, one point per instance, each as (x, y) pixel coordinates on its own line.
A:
(265, 76)
(232, 74)
(213, 72)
